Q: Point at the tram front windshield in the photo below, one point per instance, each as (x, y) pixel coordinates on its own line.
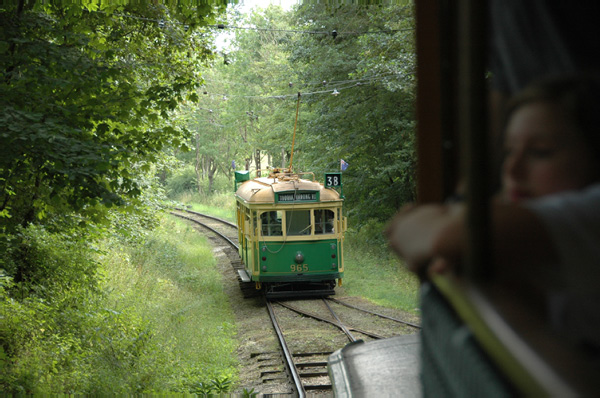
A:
(297, 222)
(271, 223)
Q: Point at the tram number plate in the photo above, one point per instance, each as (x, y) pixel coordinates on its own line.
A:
(333, 179)
(299, 267)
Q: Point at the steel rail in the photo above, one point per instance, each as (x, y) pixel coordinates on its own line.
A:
(374, 313)
(286, 352)
(208, 216)
(339, 325)
(233, 244)
(344, 328)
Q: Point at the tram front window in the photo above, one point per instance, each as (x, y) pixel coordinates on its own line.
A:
(324, 221)
(271, 223)
(297, 222)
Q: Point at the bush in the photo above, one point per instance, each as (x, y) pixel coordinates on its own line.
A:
(181, 182)
(221, 184)
(46, 264)
(369, 235)
(45, 289)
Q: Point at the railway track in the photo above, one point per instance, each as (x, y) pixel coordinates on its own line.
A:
(308, 369)
(308, 330)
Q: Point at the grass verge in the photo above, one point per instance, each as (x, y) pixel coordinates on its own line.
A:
(171, 282)
(123, 317)
(220, 205)
(372, 272)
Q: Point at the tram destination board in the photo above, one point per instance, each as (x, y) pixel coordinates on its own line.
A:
(283, 197)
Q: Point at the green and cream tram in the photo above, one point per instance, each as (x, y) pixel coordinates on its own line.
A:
(291, 232)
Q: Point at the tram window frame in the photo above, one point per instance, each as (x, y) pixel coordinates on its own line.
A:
(247, 223)
(269, 225)
(324, 225)
(301, 228)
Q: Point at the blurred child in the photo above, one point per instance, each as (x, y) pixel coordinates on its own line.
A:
(552, 138)
(546, 226)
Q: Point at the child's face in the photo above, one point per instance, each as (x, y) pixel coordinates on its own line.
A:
(544, 155)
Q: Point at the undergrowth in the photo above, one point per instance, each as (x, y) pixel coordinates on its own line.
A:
(146, 317)
(374, 273)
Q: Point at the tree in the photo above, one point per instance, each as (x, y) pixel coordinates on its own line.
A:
(263, 82)
(354, 67)
(365, 116)
(85, 98)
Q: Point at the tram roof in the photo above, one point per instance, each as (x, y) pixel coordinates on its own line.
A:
(263, 189)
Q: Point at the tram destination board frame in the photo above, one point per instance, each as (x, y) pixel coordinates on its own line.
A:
(297, 196)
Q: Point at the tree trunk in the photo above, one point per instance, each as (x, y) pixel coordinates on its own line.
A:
(30, 215)
(198, 164)
(212, 170)
(257, 161)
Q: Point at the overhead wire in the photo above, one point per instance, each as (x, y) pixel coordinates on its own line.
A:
(310, 32)
(163, 23)
(341, 85)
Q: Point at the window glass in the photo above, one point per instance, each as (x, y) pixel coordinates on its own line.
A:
(297, 222)
(324, 221)
(271, 223)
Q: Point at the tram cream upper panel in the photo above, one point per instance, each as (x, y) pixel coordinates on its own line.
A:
(262, 190)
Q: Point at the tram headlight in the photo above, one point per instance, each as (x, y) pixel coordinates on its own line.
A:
(299, 259)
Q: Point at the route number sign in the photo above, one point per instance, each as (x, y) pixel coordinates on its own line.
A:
(333, 180)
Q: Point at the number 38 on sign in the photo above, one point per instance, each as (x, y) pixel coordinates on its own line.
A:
(333, 180)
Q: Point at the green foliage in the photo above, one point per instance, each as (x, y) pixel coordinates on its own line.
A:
(86, 95)
(161, 323)
(249, 393)
(38, 263)
(84, 98)
(370, 124)
(222, 185)
(182, 181)
(48, 319)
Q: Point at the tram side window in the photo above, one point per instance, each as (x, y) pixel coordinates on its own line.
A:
(297, 222)
(324, 221)
(271, 223)
(247, 224)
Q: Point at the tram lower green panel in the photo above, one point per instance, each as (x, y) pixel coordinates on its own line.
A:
(298, 261)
